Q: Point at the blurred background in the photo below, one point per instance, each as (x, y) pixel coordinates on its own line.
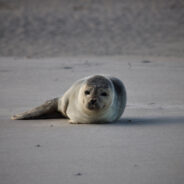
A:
(52, 28)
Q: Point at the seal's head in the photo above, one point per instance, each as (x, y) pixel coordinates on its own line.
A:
(96, 94)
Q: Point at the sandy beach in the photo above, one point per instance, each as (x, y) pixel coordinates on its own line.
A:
(47, 45)
(144, 146)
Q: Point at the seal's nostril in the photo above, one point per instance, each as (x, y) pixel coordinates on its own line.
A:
(93, 101)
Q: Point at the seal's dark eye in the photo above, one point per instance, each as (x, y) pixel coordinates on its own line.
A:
(104, 94)
(87, 92)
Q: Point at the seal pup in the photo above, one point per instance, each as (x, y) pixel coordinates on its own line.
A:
(93, 99)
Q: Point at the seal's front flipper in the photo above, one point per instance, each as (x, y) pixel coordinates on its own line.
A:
(48, 110)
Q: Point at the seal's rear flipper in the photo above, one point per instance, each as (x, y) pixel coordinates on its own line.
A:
(48, 110)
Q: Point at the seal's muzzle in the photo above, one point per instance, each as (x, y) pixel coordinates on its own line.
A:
(93, 104)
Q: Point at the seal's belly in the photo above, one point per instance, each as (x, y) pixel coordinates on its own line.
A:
(77, 116)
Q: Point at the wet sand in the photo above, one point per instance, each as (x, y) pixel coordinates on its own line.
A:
(144, 146)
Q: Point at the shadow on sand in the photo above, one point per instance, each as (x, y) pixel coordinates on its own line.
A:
(150, 121)
(130, 121)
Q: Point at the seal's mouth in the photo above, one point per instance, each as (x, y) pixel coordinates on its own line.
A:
(93, 105)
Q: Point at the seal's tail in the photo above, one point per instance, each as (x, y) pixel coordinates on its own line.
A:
(48, 110)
